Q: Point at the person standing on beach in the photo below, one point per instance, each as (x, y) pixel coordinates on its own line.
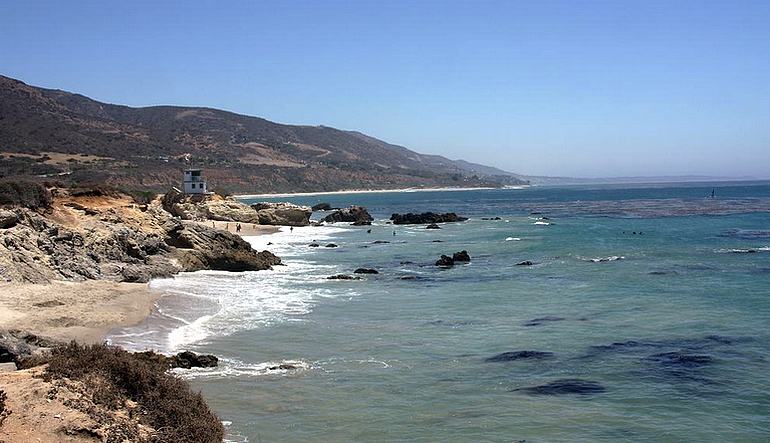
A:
(291, 228)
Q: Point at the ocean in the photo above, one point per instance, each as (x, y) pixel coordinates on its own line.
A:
(646, 307)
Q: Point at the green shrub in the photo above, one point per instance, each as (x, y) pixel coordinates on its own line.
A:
(113, 375)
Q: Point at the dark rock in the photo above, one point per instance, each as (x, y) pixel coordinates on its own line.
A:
(188, 360)
(491, 218)
(361, 223)
(18, 346)
(321, 207)
(565, 386)
(437, 241)
(425, 218)
(524, 263)
(284, 367)
(445, 261)
(409, 277)
(8, 219)
(314, 245)
(380, 242)
(350, 214)
(520, 355)
(366, 271)
(406, 262)
(541, 320)
(433, 226)
(461, 256)
(342, 277)
(331, 245)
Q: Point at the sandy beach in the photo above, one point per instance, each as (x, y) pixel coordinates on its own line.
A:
(86, 311)
(82, 311)
(247, 229)
(370, 191)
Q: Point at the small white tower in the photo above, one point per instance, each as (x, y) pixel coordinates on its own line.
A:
(193, 182)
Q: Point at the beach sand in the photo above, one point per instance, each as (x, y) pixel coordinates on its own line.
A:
(247, 229)
(82, 311)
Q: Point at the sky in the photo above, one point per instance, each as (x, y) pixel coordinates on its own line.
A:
(561, 88)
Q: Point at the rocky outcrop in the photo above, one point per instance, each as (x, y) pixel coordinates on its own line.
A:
(282, 214)
(201, 247)
(425, 218)
(183, 360)
(457, 257)
(352, 214)
(433, 226)
(110, 238)
(18, 346)
(208, 207)
(366, 271)
(8, 219)
(342, 277)
(321, 207)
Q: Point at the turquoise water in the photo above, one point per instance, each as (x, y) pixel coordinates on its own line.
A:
(673, 327)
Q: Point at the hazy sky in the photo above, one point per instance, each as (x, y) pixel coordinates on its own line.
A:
(577, 88)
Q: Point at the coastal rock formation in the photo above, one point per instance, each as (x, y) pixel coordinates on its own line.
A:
(321, 207)
(7, 219)
(366, 271)
(446, 261)
(282, 214)
(112, 238)
(342, 277)
(425, 218)
(183, 360)
(203, 207)
(351, 214)
(17, 346)
(433, 226)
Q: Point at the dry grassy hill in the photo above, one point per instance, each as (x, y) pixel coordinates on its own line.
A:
(57, 135)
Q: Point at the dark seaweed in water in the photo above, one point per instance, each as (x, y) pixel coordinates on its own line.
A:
(565, 386)
(746, 234)
(519, 355)
(680, 360)
(539, 321)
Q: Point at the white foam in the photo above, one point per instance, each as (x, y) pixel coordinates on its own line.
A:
(229, 368)
(512, 239)
(217, 303)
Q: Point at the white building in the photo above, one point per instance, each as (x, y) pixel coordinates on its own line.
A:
(193, 182)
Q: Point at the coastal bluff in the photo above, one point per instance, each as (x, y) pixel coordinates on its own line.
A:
(106, 235)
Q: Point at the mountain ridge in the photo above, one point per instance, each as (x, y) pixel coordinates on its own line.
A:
(55, 134)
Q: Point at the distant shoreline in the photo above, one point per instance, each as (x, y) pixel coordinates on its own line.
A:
(373, 191)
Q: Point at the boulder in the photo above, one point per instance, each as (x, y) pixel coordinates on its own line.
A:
(321, 207)
(433, 226)
(8, 219)
(461, 256)
(351, 214)
(524, 263)
(215, 249)
(445, 261)
(361, 223)
(188, 360)
(331, 245)
(203, 207)
(314, 245)
(366, 271)
(342, 277)
(282, 214)
(17, 346)
(425, 218)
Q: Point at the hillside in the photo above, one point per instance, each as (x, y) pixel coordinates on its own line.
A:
(57, 135)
